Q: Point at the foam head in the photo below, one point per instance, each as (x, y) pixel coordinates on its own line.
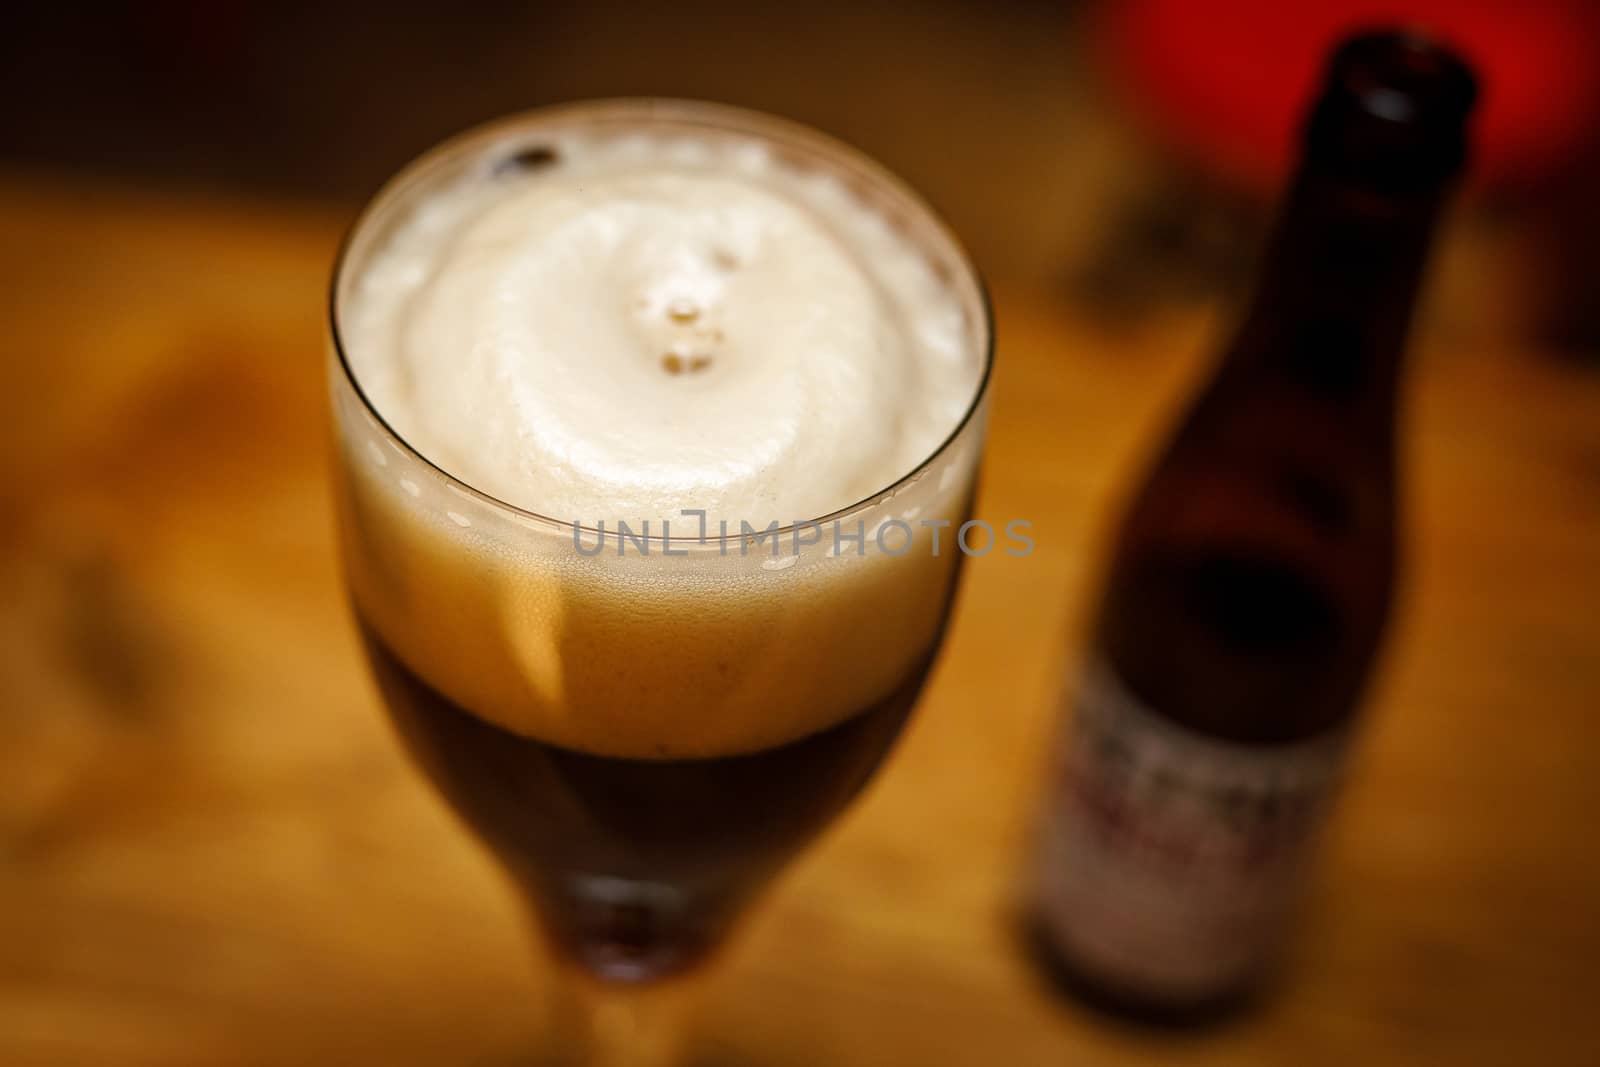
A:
(642, 321)
(624, 311)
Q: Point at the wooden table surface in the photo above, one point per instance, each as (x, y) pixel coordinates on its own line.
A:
(212, 850)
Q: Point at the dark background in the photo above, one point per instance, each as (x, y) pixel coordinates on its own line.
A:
(325, 101)
(1022, 121)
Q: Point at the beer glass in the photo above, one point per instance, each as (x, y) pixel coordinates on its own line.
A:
(644, 729)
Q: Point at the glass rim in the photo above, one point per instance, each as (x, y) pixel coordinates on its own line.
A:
(725, 117)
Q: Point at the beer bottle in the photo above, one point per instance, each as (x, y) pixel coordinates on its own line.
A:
(1252, 576)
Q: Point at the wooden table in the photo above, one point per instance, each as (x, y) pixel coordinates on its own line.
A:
(212, 850)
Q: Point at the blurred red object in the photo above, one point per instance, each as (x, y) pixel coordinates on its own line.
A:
(1228, 80)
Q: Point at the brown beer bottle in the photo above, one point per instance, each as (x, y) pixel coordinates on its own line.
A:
(1252, 577)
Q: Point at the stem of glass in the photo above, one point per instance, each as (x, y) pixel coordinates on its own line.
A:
(610, 1024)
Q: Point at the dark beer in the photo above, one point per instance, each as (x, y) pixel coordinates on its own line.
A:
(1252, 577)
(637, 866)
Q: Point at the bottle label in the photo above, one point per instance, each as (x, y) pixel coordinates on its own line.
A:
(1170, 860)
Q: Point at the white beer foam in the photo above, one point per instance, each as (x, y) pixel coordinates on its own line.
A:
(512, 327)
(650, 323)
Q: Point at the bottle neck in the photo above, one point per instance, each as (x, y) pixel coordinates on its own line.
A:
(1337, 291)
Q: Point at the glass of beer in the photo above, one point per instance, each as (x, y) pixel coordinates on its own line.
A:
(656, 425)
